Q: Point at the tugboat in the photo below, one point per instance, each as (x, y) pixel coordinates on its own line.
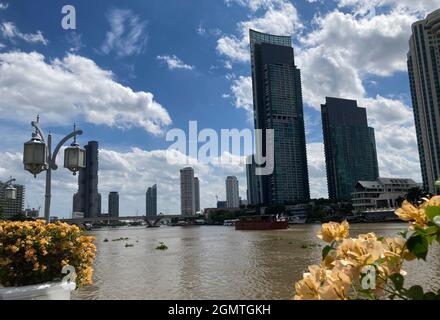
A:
(264, 222)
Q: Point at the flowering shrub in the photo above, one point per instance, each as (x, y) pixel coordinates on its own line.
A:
(35, 252)
(370, 267)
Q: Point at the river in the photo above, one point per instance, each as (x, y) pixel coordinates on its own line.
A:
(216, 262)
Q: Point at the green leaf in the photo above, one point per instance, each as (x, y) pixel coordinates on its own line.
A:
(432, 212)
(415, 293)
(326, 251)
(430, 296)
(418, 245)
(398, 280)
(431, 230)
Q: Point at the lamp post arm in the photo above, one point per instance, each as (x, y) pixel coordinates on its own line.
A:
(37, 127)
(58, 147)
(7, 183)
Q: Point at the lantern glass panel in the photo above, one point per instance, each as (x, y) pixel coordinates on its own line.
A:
(34, 153)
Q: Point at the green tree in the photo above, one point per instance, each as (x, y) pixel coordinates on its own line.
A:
(275, 209)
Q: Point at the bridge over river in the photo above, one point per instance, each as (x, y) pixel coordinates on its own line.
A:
(150, 220)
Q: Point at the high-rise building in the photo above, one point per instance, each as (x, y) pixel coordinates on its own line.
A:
(88, 200)
(12, 206)
(113, 204)
(232, 192)
(187, 192)
(197, 194)
(424, 76)
(278, 105)
(253, 182)
(151, 201)
(350, 147)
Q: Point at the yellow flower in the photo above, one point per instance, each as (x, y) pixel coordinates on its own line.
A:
(334, 231)
(434, 201)
(360, 252)
(409, 212)
(307, 289)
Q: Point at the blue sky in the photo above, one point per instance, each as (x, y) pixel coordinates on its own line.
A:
(192, 57)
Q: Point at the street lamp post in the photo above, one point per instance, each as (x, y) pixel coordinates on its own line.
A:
(38, 157)
(437, 186)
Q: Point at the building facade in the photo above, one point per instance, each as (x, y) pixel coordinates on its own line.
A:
(151, 201)
(197, 194)
(424, 78)
(253, 182)
(278, 105)
(113, 204)
(88, 200)
(350, 147)
(12, 206)
(382, 193)
(232, 192)
(187, 192)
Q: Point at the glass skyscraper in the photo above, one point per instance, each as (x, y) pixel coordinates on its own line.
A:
(424, 76)
(350, 147)
(278, 105)
(88, 200)
(151, 201)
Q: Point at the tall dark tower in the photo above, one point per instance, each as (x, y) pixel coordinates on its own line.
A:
(88, 200)
(424, 79)
(151, 201)
(278, 105)
(350, 147)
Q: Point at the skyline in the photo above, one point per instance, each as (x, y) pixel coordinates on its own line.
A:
(132, 153)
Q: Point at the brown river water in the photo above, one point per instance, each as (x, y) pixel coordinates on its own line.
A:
(216, 262)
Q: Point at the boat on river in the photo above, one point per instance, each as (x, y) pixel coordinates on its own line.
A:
(263, 222)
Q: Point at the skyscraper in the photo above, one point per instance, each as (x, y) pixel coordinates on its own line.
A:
(350, 147)
(278, 105)
(232, 192)
(424, 78)
(151, 201)
(253, 182)
(12, 206)
(113, 204)
(197, 194)
(88, 200)
(187, 192)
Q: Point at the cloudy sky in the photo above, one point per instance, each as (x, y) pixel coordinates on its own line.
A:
(132, 71)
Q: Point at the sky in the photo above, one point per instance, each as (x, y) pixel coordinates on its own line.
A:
(133, 70)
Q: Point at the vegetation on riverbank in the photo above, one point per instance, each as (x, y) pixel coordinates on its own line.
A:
(161, 246)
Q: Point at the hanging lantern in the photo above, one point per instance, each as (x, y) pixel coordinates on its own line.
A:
(74, 158)
(35, 156)
(11, 193)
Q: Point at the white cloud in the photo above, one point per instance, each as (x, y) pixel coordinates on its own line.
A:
(408, 6)
(280, 17)
(10, 31)
(75, 41)
(70, 88)
(317, 171)
(241, 89)
(127, 35)
(4, 6)
(173, 62)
